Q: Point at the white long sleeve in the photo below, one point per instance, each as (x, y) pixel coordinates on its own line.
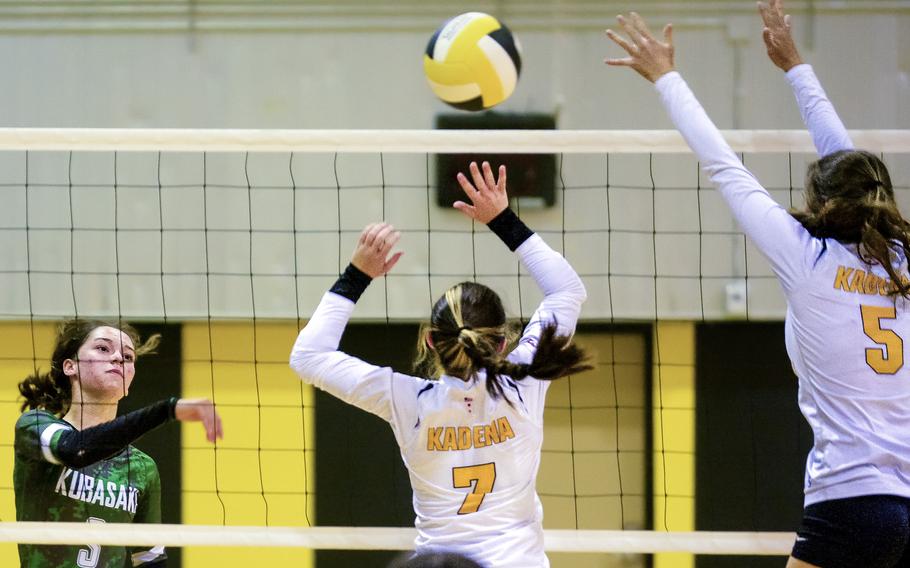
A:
(316, 360)
(564, 293)
(825, 126)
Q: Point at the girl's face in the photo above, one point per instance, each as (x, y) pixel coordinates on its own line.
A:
(104, 366)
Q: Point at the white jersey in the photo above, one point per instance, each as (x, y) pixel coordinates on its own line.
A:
(472, 459)
(843, 332)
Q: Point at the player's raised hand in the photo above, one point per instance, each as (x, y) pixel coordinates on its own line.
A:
(200, 410)
(373, 253)
(487, 194)
(777, 35)
(650, 57)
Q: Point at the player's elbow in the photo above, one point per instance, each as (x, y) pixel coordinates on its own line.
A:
(581, 293)
(577, 291)
(304, 363)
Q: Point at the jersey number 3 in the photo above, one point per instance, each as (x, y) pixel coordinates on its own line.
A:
(889, 358)
(481, 477)
(88, 558)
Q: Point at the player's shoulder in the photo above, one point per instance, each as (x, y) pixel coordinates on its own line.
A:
(39, 418)
(139, 457)
(412, 382)
(141, 461)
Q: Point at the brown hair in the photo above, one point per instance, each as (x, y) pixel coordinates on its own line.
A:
(468, 329)
(849, 198)
(53, 390)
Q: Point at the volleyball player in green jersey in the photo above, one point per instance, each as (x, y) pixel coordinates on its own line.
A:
(74, 461)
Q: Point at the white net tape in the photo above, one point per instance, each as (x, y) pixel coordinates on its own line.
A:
(421, 141)
(377, 538)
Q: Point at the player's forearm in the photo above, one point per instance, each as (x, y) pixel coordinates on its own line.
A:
(828, 131)
(564, 292)
(323, 331)
(79, 448)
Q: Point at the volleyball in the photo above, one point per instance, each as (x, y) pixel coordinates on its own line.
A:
(472, 62)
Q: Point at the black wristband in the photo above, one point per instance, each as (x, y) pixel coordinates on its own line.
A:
(173, 411)
(510, 229)
(351, 284)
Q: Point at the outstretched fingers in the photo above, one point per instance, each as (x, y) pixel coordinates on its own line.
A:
(487, 192)
(631, 30)
(488, 178)
(777, 35)
(501, 182)
(479, 182)
(371, 255)
(650, 57)
(640, 26)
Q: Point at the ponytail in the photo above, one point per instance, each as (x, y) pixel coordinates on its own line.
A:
(51, 391)
(557, 356)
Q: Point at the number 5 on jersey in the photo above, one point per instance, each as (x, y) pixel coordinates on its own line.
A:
(889, 358)
(482, 477)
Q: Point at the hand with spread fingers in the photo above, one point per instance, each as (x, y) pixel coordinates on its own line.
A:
(487, 194)
(651, 58)
(372, 253)
(777, 35)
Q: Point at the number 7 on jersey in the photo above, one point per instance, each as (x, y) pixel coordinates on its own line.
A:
(482, 477)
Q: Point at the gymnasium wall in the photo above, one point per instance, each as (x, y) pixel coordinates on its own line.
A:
(358, 64)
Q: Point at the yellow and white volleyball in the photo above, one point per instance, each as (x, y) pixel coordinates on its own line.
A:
(472, 61)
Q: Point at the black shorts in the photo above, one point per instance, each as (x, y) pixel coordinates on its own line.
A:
(871, 531)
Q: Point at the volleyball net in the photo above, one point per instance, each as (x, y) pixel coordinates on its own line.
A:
(226, 240)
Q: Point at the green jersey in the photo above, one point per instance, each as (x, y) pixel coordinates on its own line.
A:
(122, 489)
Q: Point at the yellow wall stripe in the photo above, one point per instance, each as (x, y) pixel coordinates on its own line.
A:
(17, 360)
(227, 356)
(674, 434)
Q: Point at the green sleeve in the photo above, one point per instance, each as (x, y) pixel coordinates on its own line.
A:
(37, 434)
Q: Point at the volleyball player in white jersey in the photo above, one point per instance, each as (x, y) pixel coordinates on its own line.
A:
(471, 438)
(842, 264)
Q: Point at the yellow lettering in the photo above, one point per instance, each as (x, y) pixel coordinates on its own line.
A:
(842, 280)
(491, 434)
(479, 441)
(451, 442)
(464, 437)
(450, 438)
(859, 278)
(505, 429)
(434, 439)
